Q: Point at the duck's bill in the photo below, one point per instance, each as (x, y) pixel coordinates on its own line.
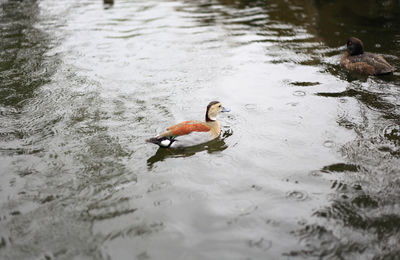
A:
(224, 109)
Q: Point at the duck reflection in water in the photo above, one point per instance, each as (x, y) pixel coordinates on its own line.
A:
(213, 146)
(108, 4)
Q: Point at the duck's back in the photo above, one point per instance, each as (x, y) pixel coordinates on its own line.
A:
(367, 63)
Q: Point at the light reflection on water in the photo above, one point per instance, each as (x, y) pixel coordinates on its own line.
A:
(307, 165)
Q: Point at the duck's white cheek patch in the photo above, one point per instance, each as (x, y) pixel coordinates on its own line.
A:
(165, 142)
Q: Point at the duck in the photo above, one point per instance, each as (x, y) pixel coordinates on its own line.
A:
(355, 59)
(192, 132)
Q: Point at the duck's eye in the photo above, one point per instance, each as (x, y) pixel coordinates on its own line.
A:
(219, 106)
(349, 43)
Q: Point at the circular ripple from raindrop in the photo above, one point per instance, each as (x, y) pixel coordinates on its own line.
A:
(250, 106)
(299, 93)
(297, 195)
(198, 195)
(316, 173)
(162, 202)
(329, 144)
(244, 207)
(391, 133)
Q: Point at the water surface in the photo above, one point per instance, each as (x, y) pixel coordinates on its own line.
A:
(307, 165)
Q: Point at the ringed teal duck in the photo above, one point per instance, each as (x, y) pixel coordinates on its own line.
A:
(355, 59)
(192, 132)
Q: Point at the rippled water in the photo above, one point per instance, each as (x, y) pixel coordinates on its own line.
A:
(307, 165)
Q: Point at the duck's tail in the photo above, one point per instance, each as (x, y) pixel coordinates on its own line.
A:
(153, 140)
(162, 141)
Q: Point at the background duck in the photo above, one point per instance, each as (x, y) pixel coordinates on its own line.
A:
(364, 62)
(192, 132)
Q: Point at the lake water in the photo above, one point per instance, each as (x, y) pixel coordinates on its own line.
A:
(307, 166)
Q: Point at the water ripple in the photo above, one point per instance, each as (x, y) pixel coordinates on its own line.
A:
(297, 195)
(84, 86)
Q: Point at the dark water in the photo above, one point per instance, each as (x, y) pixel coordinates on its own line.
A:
(307, 166)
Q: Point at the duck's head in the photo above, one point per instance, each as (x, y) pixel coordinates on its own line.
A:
(213, 109)
(355, 46)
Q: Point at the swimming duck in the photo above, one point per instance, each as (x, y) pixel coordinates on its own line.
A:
(192, 132)
(364, 62)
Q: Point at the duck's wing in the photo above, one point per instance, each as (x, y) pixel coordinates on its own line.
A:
(186, 128)
(380, 64)
(357, 63)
